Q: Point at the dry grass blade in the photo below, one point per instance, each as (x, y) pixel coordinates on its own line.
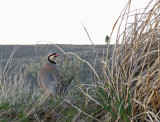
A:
(88, 34)
(82, 111)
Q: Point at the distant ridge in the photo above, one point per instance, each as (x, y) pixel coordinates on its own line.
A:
(28, 51)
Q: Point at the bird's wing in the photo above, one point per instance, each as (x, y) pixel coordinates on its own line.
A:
(50, 82)
(57, 79)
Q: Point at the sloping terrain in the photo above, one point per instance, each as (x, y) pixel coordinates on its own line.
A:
(28, 51)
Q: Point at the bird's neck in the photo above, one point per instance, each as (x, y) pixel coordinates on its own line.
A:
(51, 61)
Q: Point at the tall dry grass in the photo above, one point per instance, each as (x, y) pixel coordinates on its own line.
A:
(134, 76)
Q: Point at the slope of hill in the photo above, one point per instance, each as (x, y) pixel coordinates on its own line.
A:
(28, 51)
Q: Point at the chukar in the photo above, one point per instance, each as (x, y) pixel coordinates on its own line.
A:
(49, 78)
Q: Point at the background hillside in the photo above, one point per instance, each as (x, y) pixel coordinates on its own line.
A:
(28, 51)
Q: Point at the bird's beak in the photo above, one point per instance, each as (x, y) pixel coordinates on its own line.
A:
(56, 55)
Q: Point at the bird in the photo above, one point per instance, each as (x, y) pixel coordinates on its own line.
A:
(49, 77)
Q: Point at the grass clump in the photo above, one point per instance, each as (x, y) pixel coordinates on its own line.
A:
(133, 85)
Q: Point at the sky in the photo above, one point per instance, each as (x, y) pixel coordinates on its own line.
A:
(59, 21)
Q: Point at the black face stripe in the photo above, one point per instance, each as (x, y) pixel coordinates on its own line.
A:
(52, 54)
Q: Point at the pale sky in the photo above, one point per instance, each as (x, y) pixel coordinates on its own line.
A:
(59, 21)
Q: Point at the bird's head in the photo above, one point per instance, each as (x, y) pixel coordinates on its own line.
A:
(52, 57)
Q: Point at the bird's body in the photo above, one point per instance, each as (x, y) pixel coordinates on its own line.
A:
(49, 78)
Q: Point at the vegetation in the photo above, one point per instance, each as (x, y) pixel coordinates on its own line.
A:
(107, 39)
(122, 84)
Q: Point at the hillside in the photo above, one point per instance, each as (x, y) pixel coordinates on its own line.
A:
(28, 51)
